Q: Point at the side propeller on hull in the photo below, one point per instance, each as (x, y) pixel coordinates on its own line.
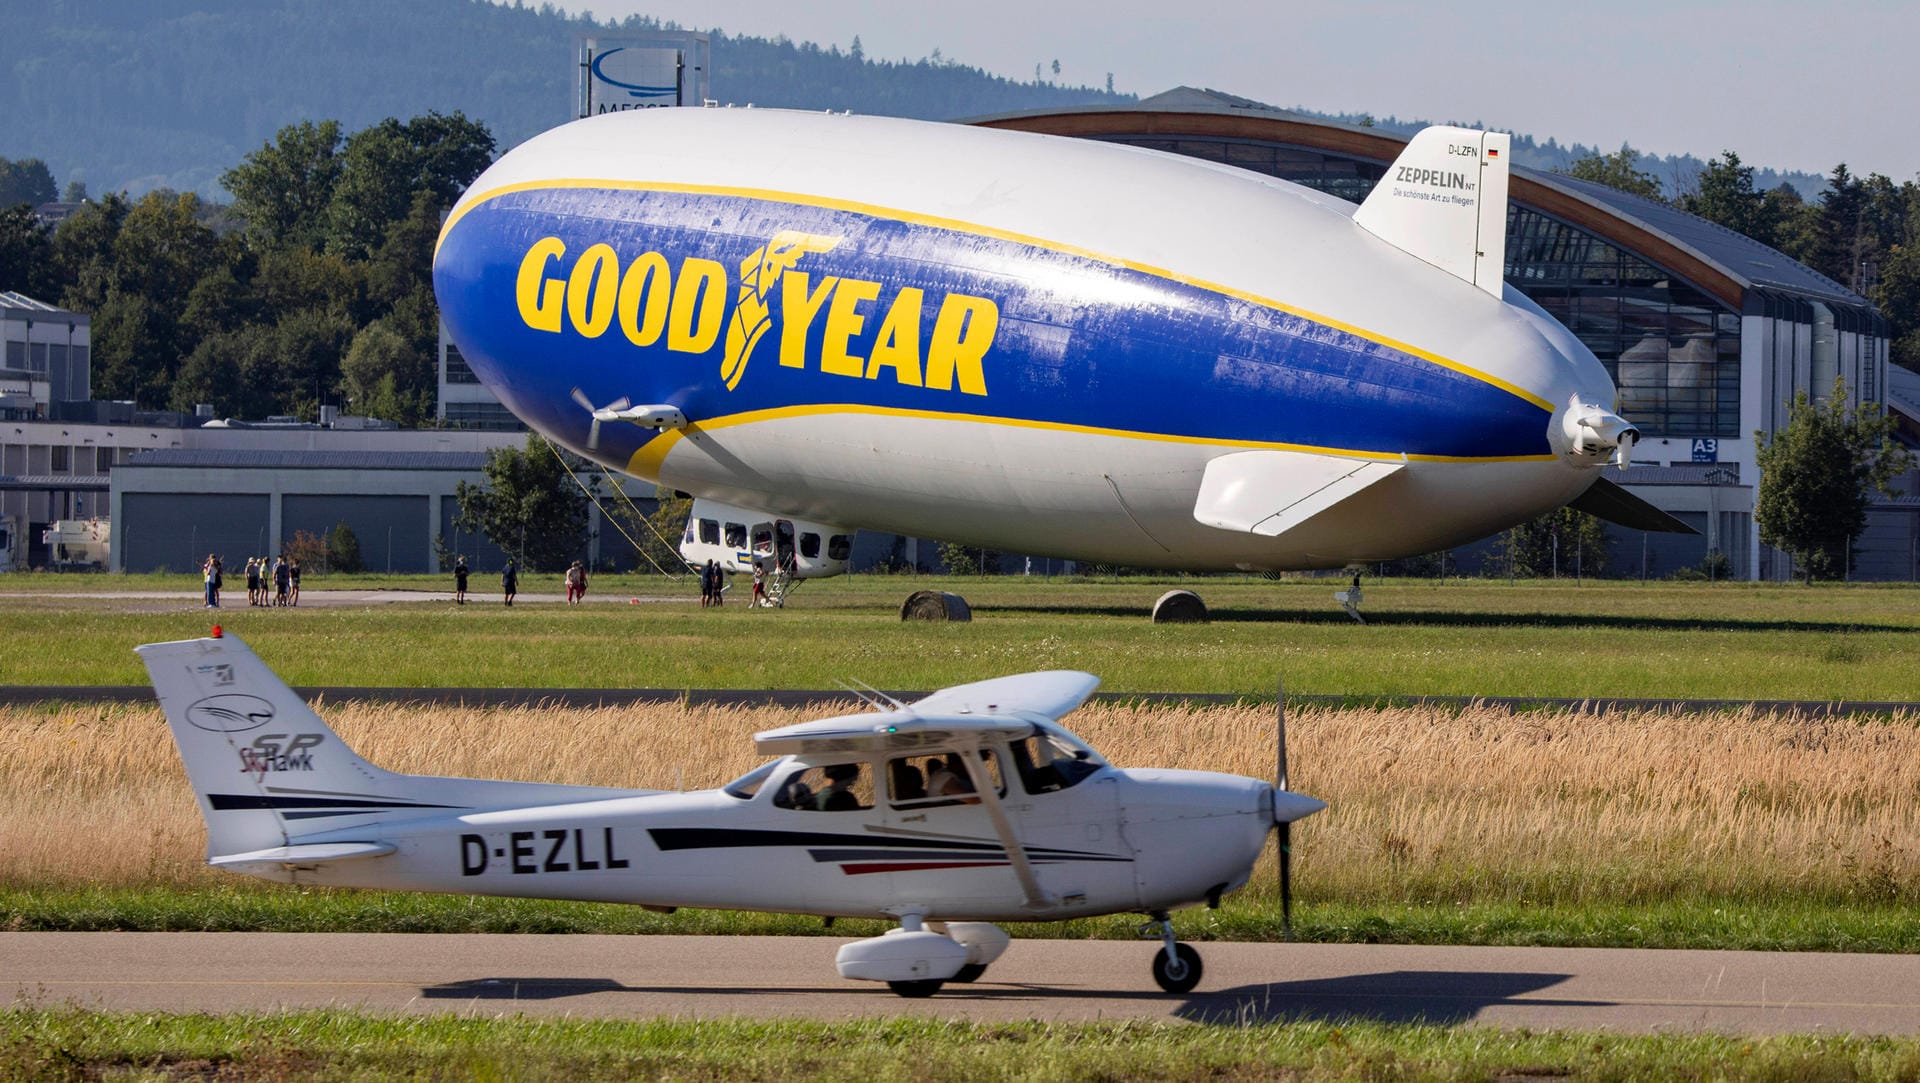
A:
(655, 417)
(609, 412)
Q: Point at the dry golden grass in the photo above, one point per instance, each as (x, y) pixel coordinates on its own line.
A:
(1427, 805)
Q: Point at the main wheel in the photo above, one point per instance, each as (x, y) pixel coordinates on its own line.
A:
(970, 973)
(1179, 974)
(925, 987)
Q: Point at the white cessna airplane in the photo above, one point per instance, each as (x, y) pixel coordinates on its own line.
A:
(968, 807)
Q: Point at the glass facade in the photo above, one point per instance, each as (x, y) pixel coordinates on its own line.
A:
(1672, 350)
(458, 371)
(482, 415)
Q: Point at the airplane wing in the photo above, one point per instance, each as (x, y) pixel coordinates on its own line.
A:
(1053, 693)
(965, 715)
(889, 731)
(1271, 492)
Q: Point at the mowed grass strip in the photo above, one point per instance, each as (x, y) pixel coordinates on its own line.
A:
(1479, 826)
(58, 1043)
(1459, 638)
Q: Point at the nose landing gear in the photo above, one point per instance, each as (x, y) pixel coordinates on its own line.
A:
(1176, 966)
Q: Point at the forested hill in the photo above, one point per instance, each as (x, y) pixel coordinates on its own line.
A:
(139, 94)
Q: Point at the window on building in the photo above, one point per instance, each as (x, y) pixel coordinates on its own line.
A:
(482, 415)
(458, 371)
(60, 459)
(103, 460)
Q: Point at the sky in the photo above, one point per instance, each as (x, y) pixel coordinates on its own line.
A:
(1792, 86)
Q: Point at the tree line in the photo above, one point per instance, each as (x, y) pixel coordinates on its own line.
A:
(313, 287)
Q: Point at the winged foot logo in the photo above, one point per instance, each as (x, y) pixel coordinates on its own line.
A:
(683, 307)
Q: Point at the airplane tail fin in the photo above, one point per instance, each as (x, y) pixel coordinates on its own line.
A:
(276, 785)
(1445, 200)
(264, 766)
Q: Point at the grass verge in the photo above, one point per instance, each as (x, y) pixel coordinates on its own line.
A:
(60, 1043)
(1701, 923)
(1469, 638)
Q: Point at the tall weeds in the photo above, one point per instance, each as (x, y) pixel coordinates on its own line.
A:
(1427, 805)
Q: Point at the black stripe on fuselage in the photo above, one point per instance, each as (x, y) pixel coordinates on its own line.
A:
(335, 806)
(826, 846)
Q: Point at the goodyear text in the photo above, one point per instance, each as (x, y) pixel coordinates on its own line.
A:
(683, 305)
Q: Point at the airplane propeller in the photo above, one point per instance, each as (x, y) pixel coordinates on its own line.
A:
(1285, 827)
(1287, 807)
(600, 413)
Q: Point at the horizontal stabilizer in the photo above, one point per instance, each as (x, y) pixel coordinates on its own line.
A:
(1445, 200)
(1271, 492)
(279, 857)
(1607, 500)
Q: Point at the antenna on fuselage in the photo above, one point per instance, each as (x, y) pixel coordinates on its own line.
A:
(871, 696)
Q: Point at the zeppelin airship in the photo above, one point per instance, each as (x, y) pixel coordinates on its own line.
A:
(816, 323)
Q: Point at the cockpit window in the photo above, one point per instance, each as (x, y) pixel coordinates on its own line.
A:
(929, 781)
(749, 784)
(837, 787)
(1053, 759)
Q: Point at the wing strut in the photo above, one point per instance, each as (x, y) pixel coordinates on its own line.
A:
(1016, 853)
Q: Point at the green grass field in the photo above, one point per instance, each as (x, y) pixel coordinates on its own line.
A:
(1458, 637)
(60, 1043)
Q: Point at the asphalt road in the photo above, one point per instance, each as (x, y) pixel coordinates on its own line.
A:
(1048, 980)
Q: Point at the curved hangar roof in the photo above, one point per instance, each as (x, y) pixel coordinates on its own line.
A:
(1719, 261)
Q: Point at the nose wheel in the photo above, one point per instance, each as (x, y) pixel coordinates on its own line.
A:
(1176, 966)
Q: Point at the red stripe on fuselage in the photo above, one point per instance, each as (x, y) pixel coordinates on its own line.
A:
(862, 868)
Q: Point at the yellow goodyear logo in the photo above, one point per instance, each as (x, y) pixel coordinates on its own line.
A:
(654, 302)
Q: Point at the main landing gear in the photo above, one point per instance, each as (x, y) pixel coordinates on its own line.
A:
(1176, 966)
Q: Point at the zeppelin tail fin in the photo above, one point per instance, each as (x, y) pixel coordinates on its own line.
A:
(1444, 200)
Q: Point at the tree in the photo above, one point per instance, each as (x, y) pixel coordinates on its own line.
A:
(26, 252)
(384, 167)
(1817, 474)
(658, 533)
(343, 549)
(311, 551)
(385, 377)
(284, 189)
(1898, 295)
(1725, 195)
(529, 506)
(1561, 542)
(1617, 170)
(25, 181)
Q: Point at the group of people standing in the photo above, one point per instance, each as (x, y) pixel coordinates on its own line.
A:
(713, 585)
(269, 583)
(273, 583)
(510, 581)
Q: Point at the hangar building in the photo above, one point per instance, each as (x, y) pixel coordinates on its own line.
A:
(1706, 333)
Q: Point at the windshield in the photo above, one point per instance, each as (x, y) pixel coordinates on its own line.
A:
(1053, 759)
(749, 784)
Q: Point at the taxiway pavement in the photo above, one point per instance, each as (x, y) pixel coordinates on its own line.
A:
(1622, 990)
